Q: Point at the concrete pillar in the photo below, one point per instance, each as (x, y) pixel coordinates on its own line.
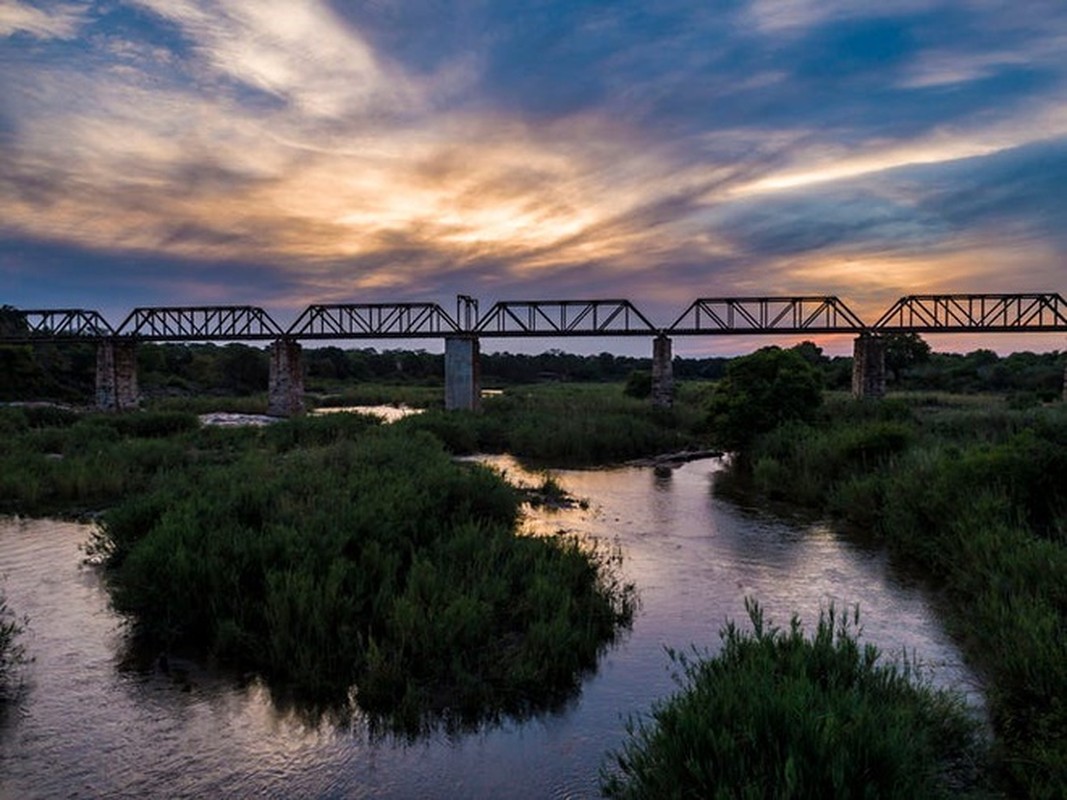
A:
(116, 375)
(662, 373)
(868, 368)
(285, 395)
(463, 373)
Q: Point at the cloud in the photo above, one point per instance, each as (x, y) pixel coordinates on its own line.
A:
(55, 21)
(670, 151)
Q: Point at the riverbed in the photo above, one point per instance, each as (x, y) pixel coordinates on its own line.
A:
(90, 724)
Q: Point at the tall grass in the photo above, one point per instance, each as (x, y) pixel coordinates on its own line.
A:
(566, 425)
(12, 652)
(778, 715)
(976, 497)
(333, 553)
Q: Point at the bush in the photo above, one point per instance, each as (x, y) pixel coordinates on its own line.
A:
(777, 715)
(639, 384)
(373, 561)
(12, 653)
(760, 391)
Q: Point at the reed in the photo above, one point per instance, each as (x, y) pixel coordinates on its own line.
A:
(346, 554)
(975, 495)
(776, 714)
(12, 651)
(567, 425)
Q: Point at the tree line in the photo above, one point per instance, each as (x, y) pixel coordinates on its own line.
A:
(67, 372)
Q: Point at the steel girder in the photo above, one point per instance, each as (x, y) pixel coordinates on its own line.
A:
(741, 315)
(373, 321)
(964, 313)
(54, 324)
(200, 324)
(564, 318)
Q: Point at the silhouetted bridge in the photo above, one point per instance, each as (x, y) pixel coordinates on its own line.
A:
(710, 316)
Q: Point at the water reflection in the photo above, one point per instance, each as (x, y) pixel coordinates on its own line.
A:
(90, 725)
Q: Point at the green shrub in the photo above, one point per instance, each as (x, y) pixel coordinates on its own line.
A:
(760, 391)
(12, 652)
(778, 715)
(975, 494)
(368, 559)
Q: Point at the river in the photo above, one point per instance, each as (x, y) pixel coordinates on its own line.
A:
(89, 725)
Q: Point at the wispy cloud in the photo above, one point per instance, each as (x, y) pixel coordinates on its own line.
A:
(53, 21)
(667, 151)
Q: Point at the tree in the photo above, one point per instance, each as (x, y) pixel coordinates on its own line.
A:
(761, 391)
(903, 351)
(638, 384)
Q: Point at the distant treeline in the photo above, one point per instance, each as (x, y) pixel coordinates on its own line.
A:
(67, 372)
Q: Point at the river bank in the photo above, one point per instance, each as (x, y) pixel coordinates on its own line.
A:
(95, 722)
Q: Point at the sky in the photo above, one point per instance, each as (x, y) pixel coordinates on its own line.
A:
(287, 152)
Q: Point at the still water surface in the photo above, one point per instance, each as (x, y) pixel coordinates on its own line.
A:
(86, 726)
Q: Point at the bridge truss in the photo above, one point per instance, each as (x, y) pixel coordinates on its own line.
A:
(564, 318)
(963, 313)
(372, 321)
(739, 315)
(709, 316)
(55, 324)
(199, 324)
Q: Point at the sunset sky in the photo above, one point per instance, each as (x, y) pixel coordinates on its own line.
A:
(284, 152)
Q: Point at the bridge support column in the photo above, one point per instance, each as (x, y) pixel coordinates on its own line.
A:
(285, 394)
(662, 373)
(463, 373)
(868, 368)
(116, 376)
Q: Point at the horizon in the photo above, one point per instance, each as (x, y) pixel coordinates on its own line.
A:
(278, 154)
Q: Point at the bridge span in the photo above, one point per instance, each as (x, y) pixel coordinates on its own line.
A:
(116, 369)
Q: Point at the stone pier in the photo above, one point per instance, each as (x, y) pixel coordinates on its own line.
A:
(463, 373)
(868, 368)
(662, 373)
(116, 376)
(285, 394)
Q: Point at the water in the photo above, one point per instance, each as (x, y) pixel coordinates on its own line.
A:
(228, 419)
(88, 726)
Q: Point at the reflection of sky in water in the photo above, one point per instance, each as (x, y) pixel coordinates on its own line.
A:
(85, 727)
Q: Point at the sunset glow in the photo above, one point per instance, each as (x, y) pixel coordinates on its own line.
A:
(299, 151)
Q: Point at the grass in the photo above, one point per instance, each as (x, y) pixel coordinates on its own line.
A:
(325, 554)
(12, 652)
(975, 495)
(778, 715)
(567, 425)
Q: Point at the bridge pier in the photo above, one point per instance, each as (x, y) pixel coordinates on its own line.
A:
(285, 393)
(463, 373)
(662, 373)
(116, 375)
(868, 368)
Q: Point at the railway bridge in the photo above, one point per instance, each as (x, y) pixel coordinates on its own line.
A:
(463, 330)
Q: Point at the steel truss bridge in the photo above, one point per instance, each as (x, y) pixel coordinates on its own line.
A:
(706, 316)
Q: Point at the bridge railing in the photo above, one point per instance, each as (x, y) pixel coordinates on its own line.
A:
(961, 313)
(739, 315)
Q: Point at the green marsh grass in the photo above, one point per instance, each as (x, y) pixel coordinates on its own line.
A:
(324, 554)
(12, 651)
(777, 714)
(567, 424)
(974, 494)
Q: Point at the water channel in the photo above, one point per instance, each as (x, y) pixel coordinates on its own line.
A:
(86, 725)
